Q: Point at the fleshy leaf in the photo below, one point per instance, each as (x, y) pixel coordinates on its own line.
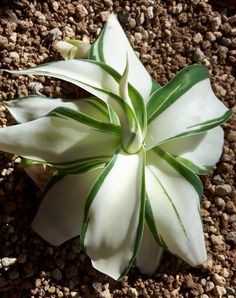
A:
(60, 214)
(112, 46)
(93, 77)
(35, 106)
(184, 106)
(72, 49)
(114, 215)
(173, 191)
(198, 152)
(59, 138)
(149, 255)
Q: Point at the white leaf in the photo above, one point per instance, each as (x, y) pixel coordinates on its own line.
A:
(93, 77)
(70, 49)
(199, 152)
(112, 47)
(79, 72)
(115, 213)
(57, 140)
(60, 215)
(187, 115)
(149, 254)
(35, 106)
(175, 206)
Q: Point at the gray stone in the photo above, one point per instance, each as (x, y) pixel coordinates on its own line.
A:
(223, 189)
(216, 22)
(56, 274)
(231, 237)
(220, 203)
(230, 291)
(54, 34)
(198, 55)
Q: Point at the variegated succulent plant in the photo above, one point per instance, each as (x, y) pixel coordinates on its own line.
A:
(125, 160)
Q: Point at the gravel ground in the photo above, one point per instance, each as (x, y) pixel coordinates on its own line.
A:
(167, 35)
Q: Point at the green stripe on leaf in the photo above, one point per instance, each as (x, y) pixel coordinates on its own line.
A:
(180, 84)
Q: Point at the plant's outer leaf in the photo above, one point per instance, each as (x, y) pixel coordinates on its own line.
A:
(60, 214)
(198, 152)
(149, 255)
(92, 77)
(35, 106)
(114, 215)
(173, 191)
(150, 221)
(185, 106)
(70, 49)
(112, 46)
(58, 139)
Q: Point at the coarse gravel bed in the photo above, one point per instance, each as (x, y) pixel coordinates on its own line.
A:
(167, 35)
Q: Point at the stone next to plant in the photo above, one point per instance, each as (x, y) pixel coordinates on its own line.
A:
(124, 161)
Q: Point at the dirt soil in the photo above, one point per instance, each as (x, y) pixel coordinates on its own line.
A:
(167, 36)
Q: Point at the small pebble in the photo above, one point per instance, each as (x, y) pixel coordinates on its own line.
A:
(81, 12)
(6, 262)
(209, 286)
(104, 15)
(220, 203)
(197, 38)
(132, 292)
(198, 55)
(56, 273)
(231, 237)
(210, 36)
(217, 240)
(223, 189)
(138, 37)
(14, 55)
(230, 291)
(108, 3)
(105, 294)
(216, 22)
(149, 13)
(218, 280)
(219, 291)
